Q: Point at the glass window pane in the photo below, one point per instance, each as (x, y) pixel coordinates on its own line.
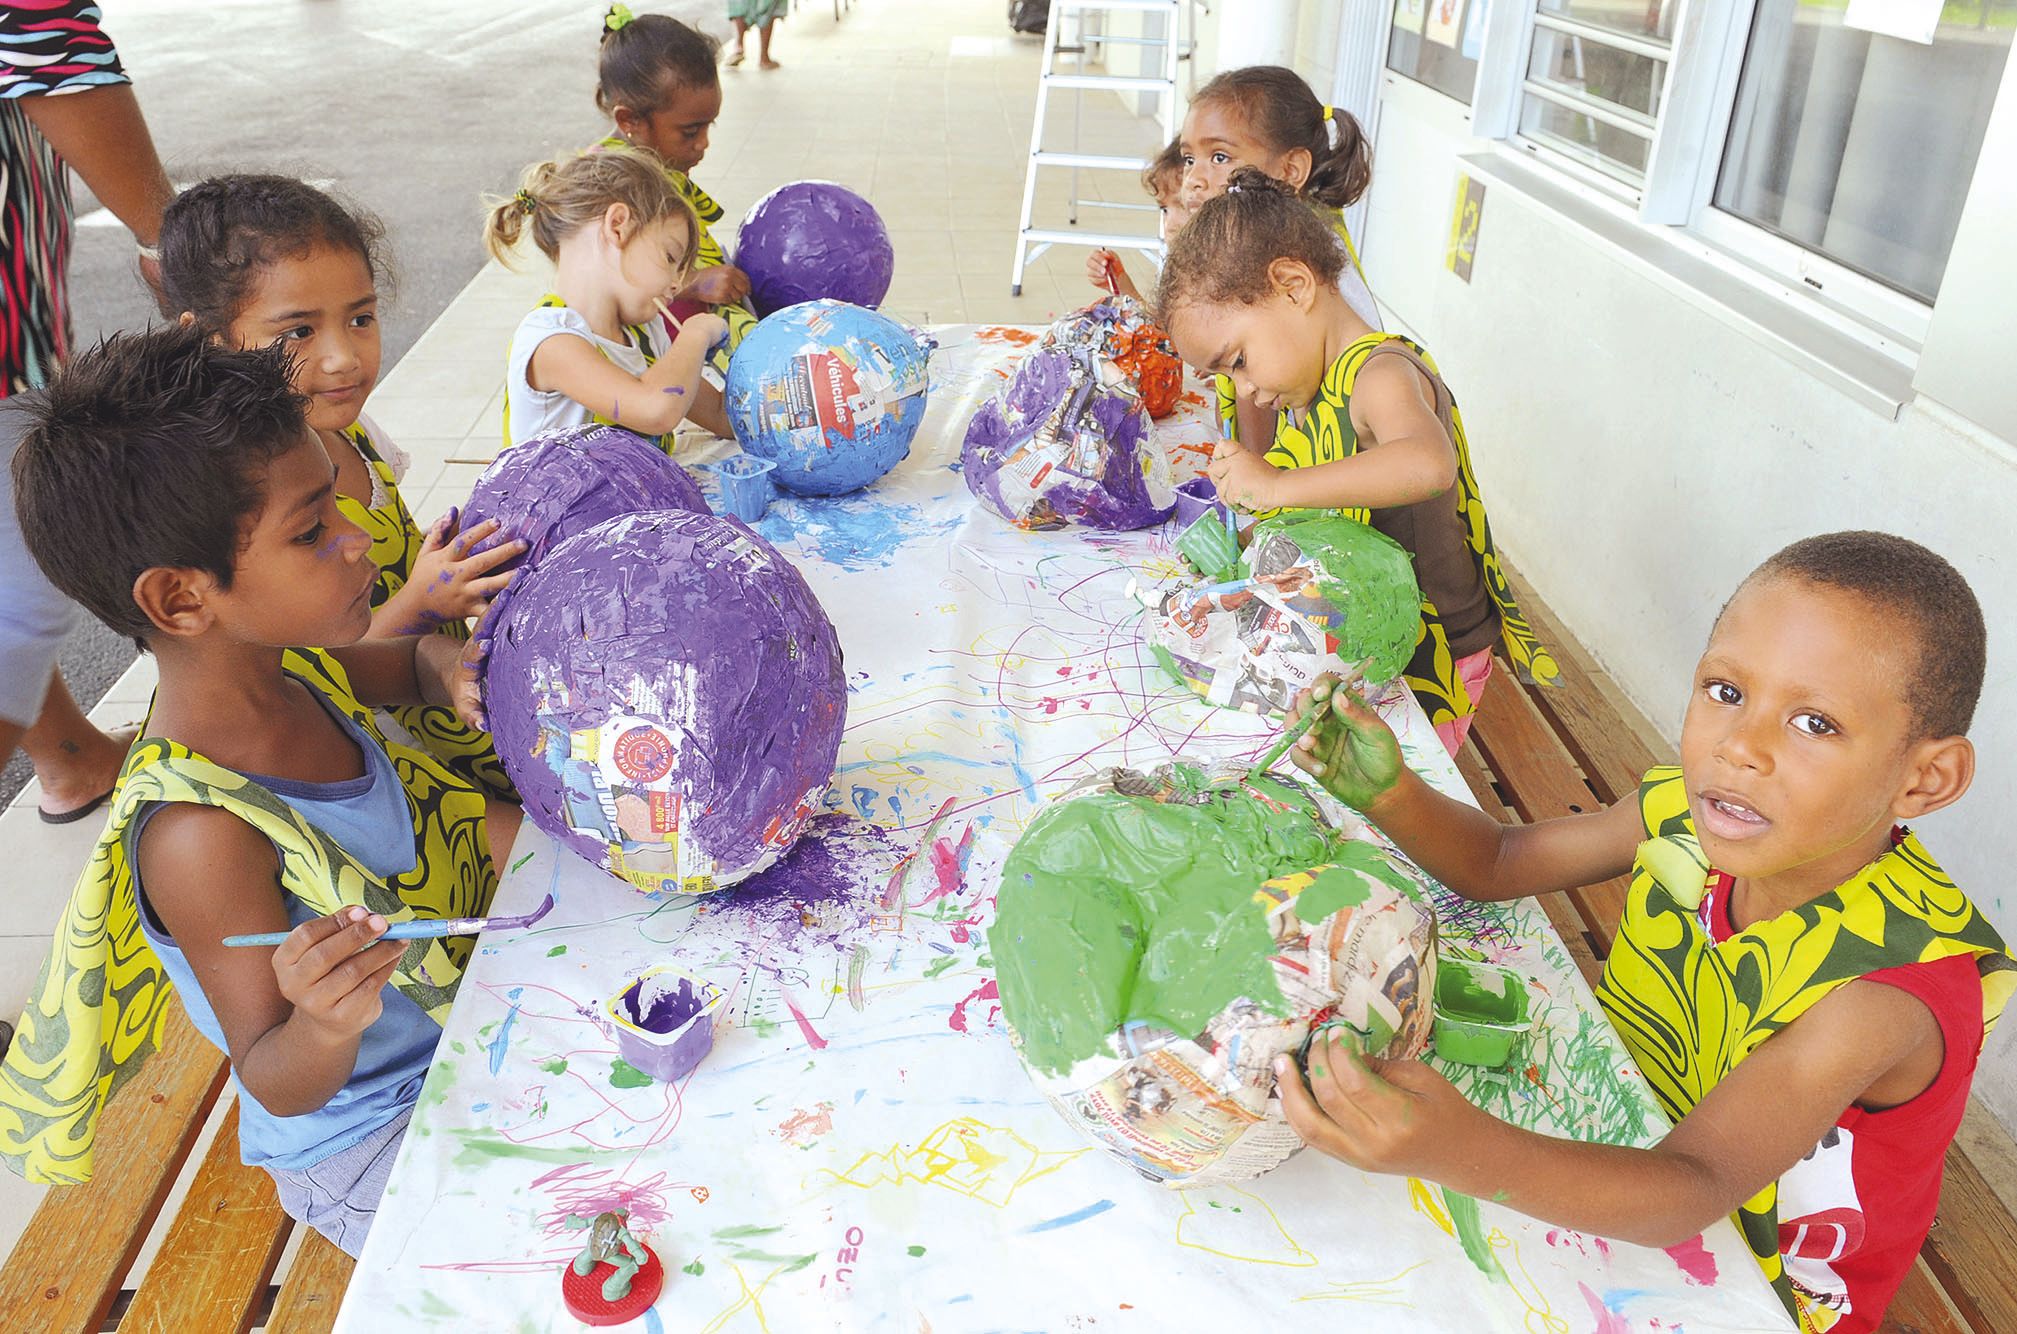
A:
(1623, 78)
(1652, 20)
(1613, 151)
(1862, 146)
(1436, 42)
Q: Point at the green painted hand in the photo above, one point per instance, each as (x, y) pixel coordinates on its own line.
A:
(1351, 750)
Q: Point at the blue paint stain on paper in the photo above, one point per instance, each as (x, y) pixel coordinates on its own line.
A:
(652, 1324)
(500, 1044)
(1092, 1210)
(849, 531)
(864, 801)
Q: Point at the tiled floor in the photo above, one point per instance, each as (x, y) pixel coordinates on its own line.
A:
(923, 105)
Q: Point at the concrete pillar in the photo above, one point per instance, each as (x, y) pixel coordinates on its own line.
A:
(1257, 32)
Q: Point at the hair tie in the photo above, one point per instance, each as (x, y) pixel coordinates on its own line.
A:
(618, 18)
(1330, 112)
(525, 200)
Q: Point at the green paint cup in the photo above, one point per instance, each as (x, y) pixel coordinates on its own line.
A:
(1210, 548)
(1481, 1012)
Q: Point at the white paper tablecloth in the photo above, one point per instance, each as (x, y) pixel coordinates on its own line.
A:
(861, 1151)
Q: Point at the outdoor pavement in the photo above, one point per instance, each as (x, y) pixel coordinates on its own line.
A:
(922, 105)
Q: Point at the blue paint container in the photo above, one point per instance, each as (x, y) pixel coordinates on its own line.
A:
(746, 485)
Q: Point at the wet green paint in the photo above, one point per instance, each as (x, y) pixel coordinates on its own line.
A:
(916, 1251)
(940, 964)
(556, 951)
(742, 1230)
(1471, 1233)
(624, 1075)
(1118, 909)
(696, 1269)
(556, 1066)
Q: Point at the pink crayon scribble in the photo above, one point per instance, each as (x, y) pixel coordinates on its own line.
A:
(1695, 1261)
(1608, 1321)
(805, 1028)
(986, 991)
(802, 1127)
(948, 865)
(581, 1188)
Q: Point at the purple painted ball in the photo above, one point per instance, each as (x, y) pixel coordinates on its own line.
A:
(667, 695)
(572, 478)
(814, 239)
(1058, 446)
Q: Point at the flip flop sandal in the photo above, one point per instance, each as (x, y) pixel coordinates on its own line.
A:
(85, 811)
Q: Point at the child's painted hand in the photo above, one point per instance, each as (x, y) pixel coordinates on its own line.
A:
(1243, 478)
(453, 584)
(721, 285)
(331, 971)
(449, 672)
(1377, 1115)
(708, 328)
(1350, 749)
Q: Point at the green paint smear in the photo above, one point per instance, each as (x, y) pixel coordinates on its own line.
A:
(792, 1263)
(1364, 575)
(745, 1230)
(476, 1149)
(916, 1250)
(556, 1066)
(696, 1269)
(1118, 909)
(556, 951)
(624, 1075)
(1471, 1232)
(940, 964)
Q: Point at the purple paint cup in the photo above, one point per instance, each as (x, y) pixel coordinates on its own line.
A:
(747, 486)
(1195, 499)
(665, 1022)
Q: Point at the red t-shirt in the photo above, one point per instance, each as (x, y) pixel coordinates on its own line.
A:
(1847, 1260)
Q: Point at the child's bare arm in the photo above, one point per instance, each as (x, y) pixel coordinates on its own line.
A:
(291, 1016)
(1406, 456)
(416, 669)
(652, 403)
(1403, 1117)
(1355, 755)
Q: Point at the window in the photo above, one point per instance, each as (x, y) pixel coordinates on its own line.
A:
(1436, 42)
(1860, 146)
(1595, 78)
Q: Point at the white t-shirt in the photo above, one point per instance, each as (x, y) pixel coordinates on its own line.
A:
(528, 411)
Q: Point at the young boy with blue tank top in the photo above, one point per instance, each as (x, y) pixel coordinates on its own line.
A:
(172, 486)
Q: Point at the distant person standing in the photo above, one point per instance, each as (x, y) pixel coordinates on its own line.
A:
(65, 103)
(758, 14)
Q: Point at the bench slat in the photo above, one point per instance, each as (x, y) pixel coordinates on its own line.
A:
(65, 1272)
(1569, 925)
(221, 1249)
(1543, 783)
(1971, 1247)
(1922, 1306)
(313, 1289)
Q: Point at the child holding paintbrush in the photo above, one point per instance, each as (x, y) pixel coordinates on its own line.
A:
(622, 242)
(173, 484)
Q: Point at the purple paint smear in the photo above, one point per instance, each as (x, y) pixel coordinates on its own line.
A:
(700, 628)
(1091, 439)
(813, 239)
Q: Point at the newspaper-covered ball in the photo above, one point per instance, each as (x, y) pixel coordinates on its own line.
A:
(574, 477)
(1065, 442)
(1118, 331)
(1160, 938)
(1317, 592)
(667, 695)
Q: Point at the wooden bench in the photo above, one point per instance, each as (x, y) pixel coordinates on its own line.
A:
(1536, 753)
(215, 1268)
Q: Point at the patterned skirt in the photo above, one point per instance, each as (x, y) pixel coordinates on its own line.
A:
(34, 254)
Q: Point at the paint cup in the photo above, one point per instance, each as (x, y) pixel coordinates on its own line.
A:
(1210, 547)
(1196, 498)
(1481, 1012)
(746, 485)
(665, 1021)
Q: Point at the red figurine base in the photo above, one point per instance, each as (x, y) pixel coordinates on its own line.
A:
(583, 1292)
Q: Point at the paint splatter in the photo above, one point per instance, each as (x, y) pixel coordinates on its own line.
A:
(1608, 1321)
(1092, 1210)
(556, 1066)
(696, 1268)
(985, 991)
(804, 1126)
(915, 1251)
(501, 1044)
(556, 951)
(1695, 1261)
(849, 531)
(624, 1075)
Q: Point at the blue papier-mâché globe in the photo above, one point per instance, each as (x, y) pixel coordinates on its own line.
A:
(830, 393)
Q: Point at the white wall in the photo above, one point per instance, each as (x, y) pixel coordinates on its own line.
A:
(1640, 455)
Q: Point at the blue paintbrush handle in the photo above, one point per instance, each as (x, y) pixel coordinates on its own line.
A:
(423, 930)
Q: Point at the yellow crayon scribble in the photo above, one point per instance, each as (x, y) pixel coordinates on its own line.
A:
(965, 1156)
(1541, 1317)
(1423, 1197)
(1381, 1291)
(750, 1299)
(1250, 1231)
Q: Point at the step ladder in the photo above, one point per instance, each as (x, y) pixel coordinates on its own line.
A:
(1032, 240)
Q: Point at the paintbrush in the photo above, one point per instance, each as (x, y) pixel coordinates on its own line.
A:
(1289, 738)
(426, 928)
(1107, 270)
(665, 314)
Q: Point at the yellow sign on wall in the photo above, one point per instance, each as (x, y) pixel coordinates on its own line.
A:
(1464, 220)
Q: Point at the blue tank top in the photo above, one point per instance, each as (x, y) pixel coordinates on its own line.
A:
(368, 815)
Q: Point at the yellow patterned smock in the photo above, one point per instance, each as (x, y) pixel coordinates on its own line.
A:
(1326, 435)
(96, 1011)
(395, 545)
(1690, 1009)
